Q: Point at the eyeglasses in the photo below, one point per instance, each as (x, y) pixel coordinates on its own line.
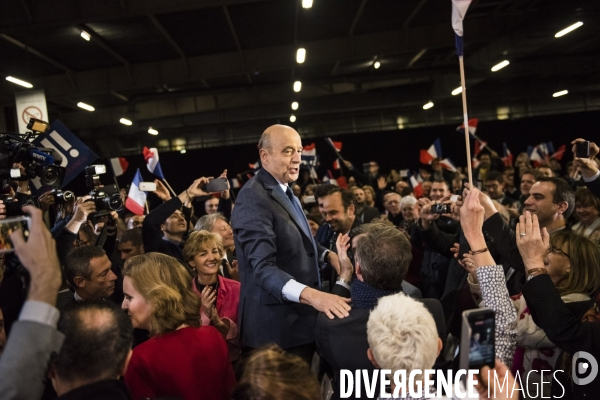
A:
(555, 250)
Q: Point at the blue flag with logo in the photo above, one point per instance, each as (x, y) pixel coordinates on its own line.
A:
(75, 154)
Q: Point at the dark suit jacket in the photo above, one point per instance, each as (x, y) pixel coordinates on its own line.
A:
(24, 363)
(343, 343)
(273, 246)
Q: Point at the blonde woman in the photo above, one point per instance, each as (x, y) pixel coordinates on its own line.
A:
(181, 358)
(220, 297)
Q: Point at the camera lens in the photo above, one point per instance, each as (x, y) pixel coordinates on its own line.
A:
(50, 176)
(114, 202)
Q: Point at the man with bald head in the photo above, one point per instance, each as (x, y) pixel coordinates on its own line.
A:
(278, 258)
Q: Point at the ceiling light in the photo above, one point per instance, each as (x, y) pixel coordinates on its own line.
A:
(377, 65)
(456, 91)
(300, 55)
(19, 82)
(295, 105)
(182, 151)
(499, 66)
(125, 121)
(568, 29)
(152, 131)
(297, 86)
(292, 118)
(85, 106)
(85, 35)
(427, 106)
(561, 93)
(307, 3)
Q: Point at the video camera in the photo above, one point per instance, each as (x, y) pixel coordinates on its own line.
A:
(105, 202)
(36, 161)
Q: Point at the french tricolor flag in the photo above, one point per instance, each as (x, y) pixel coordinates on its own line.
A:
(309, 155)
(507, 158)
(434, 151)
(559, 153)
(459, 10)
(416, 185)
(472, 126)
(119, 165)
(151, 157)
(448, 164)
(337, 146)
(136, 199)
(336, 164)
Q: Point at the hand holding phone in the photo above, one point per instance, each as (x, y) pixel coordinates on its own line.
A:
(217, 185)
(147, 186)
(477, 340)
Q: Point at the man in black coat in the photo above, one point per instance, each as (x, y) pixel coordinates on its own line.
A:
(382, 257)
(95, 353)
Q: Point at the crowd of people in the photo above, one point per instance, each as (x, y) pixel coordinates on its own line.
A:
(273, 293)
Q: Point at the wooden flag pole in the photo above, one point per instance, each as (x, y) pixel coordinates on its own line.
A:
(466, 118)
(170, 188)
(147, 208)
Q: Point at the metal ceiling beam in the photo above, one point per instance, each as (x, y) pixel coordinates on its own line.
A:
(169, 39)
(100, 42)
(43, 56)
(323, 52)
(413, 14)
(84, 11)
(237, 42)
(359, 12)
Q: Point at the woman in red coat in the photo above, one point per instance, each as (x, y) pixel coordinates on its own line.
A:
(181, 358)
(203, 251)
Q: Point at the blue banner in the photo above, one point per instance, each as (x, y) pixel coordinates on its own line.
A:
(75, 154)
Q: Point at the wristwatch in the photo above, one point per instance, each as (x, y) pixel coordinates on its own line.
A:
(343, 282)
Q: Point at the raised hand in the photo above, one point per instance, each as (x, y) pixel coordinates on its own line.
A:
(532, 242)
(233, 269)
(208, 298)
(161, 191)
(587, 166)
(342, 245)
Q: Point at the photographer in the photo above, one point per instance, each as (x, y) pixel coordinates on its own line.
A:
(165, 228)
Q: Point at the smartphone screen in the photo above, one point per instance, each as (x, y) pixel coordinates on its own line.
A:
(8, 226)
(582, 149)
(481, 341)
(216, 185)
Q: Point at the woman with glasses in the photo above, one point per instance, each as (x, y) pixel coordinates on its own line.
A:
(572, 264)
(572, 326)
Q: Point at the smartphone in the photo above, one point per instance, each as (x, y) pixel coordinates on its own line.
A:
(440, 208)
(8, 226)
(216, 185)
(147, 186)
(477, 339)
(582, 149)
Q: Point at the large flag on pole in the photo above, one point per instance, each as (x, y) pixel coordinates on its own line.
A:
(151, 157)
(136, 199)
(459, 9)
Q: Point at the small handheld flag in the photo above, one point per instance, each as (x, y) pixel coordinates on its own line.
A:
(136, 199)
(119, 165)
(507, 158)
(151, 157)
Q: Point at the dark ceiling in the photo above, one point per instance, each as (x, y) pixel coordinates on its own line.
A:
(217, 72)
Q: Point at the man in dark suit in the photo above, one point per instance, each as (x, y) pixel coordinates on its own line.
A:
(278, 258)
(83, 368)
(382, 256)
